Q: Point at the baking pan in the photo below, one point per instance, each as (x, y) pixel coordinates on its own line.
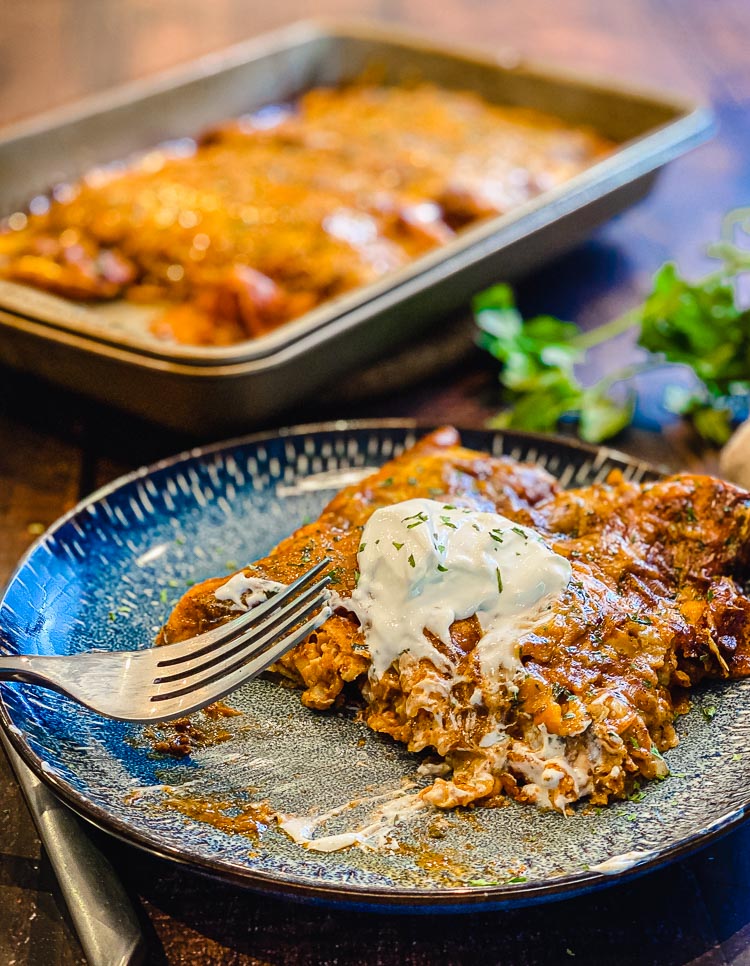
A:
(208, 389)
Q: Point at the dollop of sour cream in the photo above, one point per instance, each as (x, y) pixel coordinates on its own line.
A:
(424, 564)
(244, 591)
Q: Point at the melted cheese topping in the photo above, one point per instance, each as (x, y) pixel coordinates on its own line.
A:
(425, 564)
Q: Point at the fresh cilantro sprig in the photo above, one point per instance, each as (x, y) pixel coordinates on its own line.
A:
(698, 324)
(538, 359)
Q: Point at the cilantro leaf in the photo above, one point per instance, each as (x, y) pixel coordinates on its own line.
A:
(697, 325)
(712, 423)
(538, 358)
(601, 417)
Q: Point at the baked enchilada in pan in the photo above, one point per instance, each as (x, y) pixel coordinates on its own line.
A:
(270, 215)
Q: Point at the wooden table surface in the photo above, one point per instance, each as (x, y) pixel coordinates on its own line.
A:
(56, 447)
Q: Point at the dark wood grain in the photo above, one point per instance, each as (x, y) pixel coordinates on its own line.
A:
(55, 447)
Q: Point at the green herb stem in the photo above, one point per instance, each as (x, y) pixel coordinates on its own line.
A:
(626, 373)
(610, 330)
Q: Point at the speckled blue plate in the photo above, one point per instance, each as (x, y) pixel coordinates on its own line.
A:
(107, 576)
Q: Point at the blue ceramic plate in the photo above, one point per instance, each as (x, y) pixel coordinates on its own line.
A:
(107, 576)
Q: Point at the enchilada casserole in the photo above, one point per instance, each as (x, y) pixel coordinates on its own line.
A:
(540, 642)
(270, 215)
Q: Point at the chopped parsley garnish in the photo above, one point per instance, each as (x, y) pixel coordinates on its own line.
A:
(362, 548)
(449, 523)
(442, 569)
(561, 694)
(412, 562)
(448, 506)
(398, 546)
(709, 712)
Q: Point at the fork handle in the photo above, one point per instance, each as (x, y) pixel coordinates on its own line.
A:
(102, 912)
(29, 669)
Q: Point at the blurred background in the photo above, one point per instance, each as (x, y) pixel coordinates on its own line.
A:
(56, 447)
(52, 51)
(55, 51)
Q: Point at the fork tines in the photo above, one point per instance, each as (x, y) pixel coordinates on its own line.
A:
(247, 638)
(207, 643)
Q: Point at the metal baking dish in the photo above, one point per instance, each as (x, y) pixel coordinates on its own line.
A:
(213, 389)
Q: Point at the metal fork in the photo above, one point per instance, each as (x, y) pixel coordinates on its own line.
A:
(162, 683)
